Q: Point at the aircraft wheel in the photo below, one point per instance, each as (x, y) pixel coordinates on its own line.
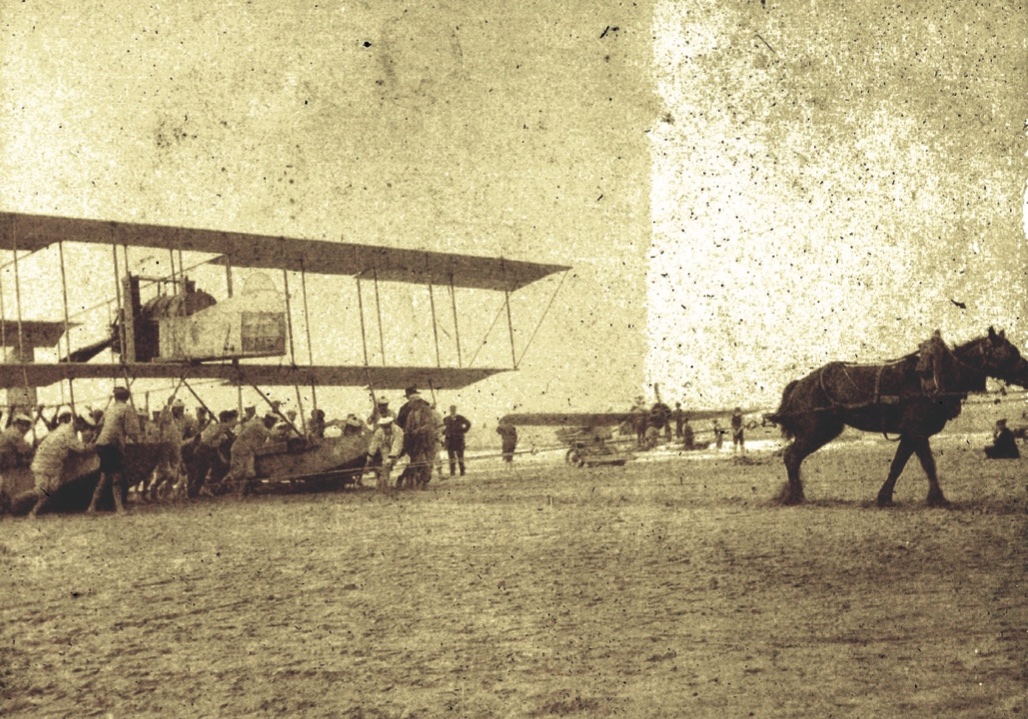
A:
(574, 457)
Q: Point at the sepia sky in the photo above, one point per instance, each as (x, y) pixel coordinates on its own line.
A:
(743, 190)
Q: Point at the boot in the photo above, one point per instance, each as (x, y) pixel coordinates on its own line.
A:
(116, 490)
(100, 486)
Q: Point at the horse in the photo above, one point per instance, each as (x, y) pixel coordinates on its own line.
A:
(891, 398)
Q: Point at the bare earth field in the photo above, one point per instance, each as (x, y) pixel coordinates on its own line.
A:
(661, 589)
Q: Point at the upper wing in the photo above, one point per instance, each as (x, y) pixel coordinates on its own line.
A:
(386, 378)
(28, 232)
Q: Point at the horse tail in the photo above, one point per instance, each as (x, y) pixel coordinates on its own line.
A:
(781, 416)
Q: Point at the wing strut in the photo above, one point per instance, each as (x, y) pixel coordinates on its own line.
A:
(67, 325)
(3, 317)
(378, 311)
(21, 334)
(360, 310)
(17, 302)
(435, 324)
(117, 294)
(292, 352)
(128, 312)
(228, 276)
(456, 329)
(510, 323)
(510, 328)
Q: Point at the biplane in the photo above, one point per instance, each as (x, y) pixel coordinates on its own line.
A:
(245, 338)
(609, 438)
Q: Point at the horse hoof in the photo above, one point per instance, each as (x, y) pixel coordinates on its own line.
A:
(884, 503)
(938, 501)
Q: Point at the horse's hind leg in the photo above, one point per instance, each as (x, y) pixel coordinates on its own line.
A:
(792, 493)
(802, 447)
(924, 453)
(903, 452)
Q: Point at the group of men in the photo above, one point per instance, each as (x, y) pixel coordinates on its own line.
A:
(648, 424)
(417, 431)
(204, 454)
(195, 453)
(68, 436)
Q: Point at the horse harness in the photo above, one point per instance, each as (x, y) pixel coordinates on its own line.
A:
(877, 399)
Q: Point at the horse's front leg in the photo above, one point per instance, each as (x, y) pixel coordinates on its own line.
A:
(924, 453)
(903, 452)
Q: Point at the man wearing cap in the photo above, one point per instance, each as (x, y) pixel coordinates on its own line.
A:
(287, 429)
(252, 436)
(455, 426)
(203, 419)
(14, 452)
(353, 426)
(316, 425)
(383, 450)
(381, 410)
(1003, 446)
(249, 414)
(120, 427)
(52, 455)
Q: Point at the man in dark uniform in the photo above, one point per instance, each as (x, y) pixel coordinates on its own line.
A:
(401, 415)
(455, 426)
(1003, 444)
(738, 436)
(509, 440)
(688, 435)
(417, 420)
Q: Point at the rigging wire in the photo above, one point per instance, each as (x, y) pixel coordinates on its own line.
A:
(541, 319)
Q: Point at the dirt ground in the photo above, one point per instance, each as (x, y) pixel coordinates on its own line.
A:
(661, 589)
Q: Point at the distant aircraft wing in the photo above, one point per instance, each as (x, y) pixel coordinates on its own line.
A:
(29, 232)
(595, 419)
(385, 378)
(567, 419)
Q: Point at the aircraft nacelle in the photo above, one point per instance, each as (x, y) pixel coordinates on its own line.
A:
(191, 326)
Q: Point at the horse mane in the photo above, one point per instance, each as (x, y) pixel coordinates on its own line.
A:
(968, 374)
